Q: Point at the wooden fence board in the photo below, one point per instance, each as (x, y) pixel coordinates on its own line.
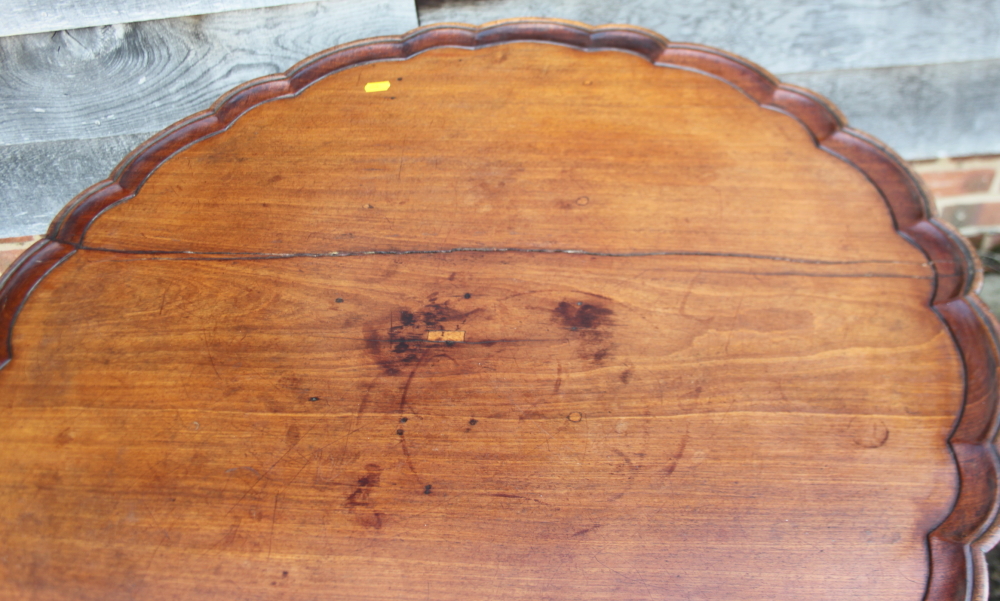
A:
(922, 112)
(38, 179)
(35, 16)
(782, 35)
(141, 77)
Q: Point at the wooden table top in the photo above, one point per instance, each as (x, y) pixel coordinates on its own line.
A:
(525, 311)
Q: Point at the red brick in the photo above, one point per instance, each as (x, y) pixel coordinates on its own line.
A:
(956, 183)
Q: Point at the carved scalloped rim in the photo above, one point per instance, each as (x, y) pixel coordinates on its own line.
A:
(957, 546)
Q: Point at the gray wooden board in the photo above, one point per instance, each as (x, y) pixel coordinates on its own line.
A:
(123, 79)
(39, 179)
(921, 74)
(781, 35)
(35, 16)
(929, 111)
(919, 111)
(118, 84)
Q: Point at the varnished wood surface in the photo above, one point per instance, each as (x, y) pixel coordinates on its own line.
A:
(531, 323)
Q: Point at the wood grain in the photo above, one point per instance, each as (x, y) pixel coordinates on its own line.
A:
(667, 166)
(69, 84)
(227, 384)
(924, 111)
(40, 178)
(39, 16)
(921, 75)
(67, 122)
(297, 433)
(788, 36)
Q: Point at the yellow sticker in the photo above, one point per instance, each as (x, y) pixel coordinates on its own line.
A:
(376, 86)
(446, 336)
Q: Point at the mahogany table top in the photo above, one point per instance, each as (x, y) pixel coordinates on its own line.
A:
(525, 311)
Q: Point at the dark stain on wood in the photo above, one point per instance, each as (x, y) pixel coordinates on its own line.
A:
(868, 433)
(360, 497)
(586, 530)
(292, 435)
(582, 315)
(82, 516)
(64, 437)
(405, 341)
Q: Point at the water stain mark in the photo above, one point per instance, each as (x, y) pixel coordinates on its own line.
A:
(590, 324)
(868, 434)
(583, 315)
(360, 502)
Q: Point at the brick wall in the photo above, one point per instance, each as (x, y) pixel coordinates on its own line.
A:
(967, 191)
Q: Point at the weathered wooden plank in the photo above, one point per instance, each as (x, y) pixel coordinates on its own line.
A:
(36, 16)
(923, 111)
(38, 179)
(782, 35)
(919, 111)
(141, 77)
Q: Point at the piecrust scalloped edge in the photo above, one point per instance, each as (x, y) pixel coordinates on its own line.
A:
(957, 546)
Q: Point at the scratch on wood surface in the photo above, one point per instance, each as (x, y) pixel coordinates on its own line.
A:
(504, 495)
(409, 460)
(736, 317)
(678, 455)
(265, 474)
(409, 380)
(636, 579)
(274, 514)
(586, 530)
